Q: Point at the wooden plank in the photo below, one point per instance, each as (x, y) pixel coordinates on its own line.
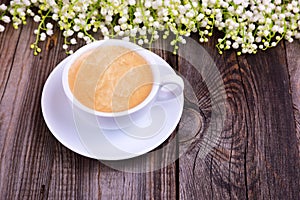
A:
(256, 156)
(11, 107)
(7, 49)
(272, 138)
(293, 61)
(196, 168)
(27, 153)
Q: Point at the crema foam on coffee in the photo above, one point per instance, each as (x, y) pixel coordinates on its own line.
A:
(110, 79)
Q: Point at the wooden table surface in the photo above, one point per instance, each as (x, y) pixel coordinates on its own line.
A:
(256, 155)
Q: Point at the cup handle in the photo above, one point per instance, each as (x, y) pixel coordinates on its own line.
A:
(167, 93)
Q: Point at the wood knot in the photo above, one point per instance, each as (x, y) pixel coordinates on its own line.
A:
(51, 42)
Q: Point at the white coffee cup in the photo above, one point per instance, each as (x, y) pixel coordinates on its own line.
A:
(117, 120)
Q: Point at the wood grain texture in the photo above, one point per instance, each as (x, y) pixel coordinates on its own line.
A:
(293, 61)
(257, 154)
(27, 154)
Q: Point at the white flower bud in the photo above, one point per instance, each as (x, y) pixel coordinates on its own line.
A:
(274, 17)
(65, 46)
(103, 11)
(295, 3)
(131, 2)
(80, 35)
(235, 45)
(123, 26)
(237, 2)
(200, 17)
(43, 36)
(69, 32)
(275, 28)
(230, 8)
(81, 16)
(121, 33)
(190, 14)
(108, 18)
(133, 31)
(2, 28)
(151, 19)
(49, 26)
(244, 51)
(261, 7)
(122, 20)
(296, 10)
(277, 2)
(3, 7)
(147, 13)
(280, 30)
(140, 42)
(37, 18)
(116, 3)
(49, 32)
(281, 16)
(183, 20)
(73, 41)
(156, 24)
(251, 27)
(266, 32)
(289, 7)
(181, 9)
(266, 44)
(77, 21)
(55, 17)
(76, 28)
(268, 21)
(117, 28)
(137, 21)
(6, 19)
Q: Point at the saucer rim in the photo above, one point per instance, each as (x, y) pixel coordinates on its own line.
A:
(86, 153)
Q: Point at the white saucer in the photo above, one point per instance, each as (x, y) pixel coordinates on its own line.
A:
(91, 141)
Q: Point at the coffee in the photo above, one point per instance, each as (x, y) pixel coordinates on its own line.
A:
(110, 79)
